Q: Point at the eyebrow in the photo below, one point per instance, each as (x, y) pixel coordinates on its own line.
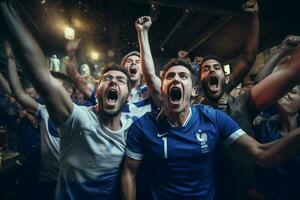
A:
(214, 65)
(120, 77)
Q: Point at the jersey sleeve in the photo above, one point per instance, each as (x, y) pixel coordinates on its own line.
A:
(74, 121)
(134, 146)
(229, 130)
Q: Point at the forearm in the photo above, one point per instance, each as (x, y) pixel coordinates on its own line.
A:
(280, 82)
(128, 185)
(17, 90)
(252, 39)
(13, 78)
(246, 61)
(148, 67)
(72, 71)
(280, 150)
(271, 64)
(4, 85)
(26, 48)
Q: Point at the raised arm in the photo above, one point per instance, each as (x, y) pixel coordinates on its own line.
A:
(288, 44)
(17, 90)
(58, 103)
(153, 82)
(72, 71)
(130, 168)
(4, 85)
(277, 84)
(245, 62)
(272, 153)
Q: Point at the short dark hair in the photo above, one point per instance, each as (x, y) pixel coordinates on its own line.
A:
(132, 53)
(177, 61)
(114, 67)
(211, 57)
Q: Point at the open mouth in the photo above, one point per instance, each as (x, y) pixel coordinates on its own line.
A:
(132, 70)
(213, 83)
(112, 96)
(175, 94)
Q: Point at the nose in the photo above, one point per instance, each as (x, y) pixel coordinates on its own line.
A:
(176, 78)
(113, 81)
(212, 70)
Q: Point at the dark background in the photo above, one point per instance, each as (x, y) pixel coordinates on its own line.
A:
(199, 26)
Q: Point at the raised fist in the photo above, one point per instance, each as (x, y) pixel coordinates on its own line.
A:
(250, 6)
(143, 23)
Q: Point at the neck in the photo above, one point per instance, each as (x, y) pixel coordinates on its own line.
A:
(289, 122)
(111, 122)
(178, 118)
(216, 100)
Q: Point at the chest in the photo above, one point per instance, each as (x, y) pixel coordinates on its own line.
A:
(186, 144)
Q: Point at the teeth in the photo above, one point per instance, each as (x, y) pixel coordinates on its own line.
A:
(112, 96)
(133, 70)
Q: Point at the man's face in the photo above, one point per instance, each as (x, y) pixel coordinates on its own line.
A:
(290, 103)
(112, 92)
(177, 88)
(133, 66)
(212, 79)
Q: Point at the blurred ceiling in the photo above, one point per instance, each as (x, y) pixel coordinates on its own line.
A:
(199, 26)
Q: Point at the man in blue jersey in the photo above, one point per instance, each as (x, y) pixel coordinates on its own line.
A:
(92, 139)
(180, 141)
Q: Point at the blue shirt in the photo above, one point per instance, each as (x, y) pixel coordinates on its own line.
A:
(181, 158)
(282, 181)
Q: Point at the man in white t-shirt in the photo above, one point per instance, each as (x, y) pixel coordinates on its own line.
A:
(92, 140)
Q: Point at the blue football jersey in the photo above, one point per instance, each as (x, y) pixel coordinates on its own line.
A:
(181, 158)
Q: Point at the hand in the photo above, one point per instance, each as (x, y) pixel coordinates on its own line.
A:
(72, 45)
(143, 23)
(8, 50)
(290, 42)
(250, 6)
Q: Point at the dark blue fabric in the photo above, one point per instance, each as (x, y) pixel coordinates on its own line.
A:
(281, 182)
(180, 158)
(105, 187)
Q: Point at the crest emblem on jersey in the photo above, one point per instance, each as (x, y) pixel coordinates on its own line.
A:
(202, 139)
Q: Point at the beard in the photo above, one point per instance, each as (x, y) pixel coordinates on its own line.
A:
(209, 94)
(111, 112)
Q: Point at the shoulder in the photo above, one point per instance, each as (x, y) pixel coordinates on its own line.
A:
(145, 121)
(206, 110)
(208, 113)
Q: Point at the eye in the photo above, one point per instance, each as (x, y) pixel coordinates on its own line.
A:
(204, 69)
(169, 76)
(107, 78)
(184, 76)
(121, 80)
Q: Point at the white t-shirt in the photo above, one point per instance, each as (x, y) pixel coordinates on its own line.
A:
(91, 156)
(49, 166)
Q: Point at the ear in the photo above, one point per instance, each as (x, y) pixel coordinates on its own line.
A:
(194, 92)
(227, 79)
